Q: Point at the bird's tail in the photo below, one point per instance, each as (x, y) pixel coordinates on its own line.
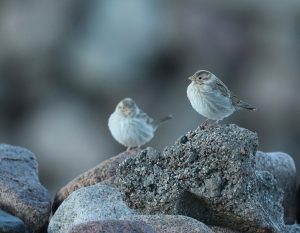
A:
(157, 123)
(242, 104)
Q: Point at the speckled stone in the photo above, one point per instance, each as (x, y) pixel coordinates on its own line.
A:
(104, 171)
(113, 226)
(282, 167)
(21, 193)
(172, 223)
(292, 229)
(92, 203)
(208, 174)
(298, 204)
(223, 230)
(10, 224)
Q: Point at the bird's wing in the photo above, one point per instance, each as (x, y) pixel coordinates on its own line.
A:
(221, 87)
(236, 102)
(241, 104)
(144, 116)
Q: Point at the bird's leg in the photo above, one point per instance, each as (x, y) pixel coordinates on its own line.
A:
(218, 122)
(206, 122)
(129, 149)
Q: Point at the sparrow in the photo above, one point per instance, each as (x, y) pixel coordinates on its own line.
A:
(131, 126)
(211, 98)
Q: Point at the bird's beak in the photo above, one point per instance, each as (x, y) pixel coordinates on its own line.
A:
(192, 78)
(127, 111)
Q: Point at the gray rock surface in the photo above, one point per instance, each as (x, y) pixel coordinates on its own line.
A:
(172, 223)
(93, 203)
(10, 224)
(113, 226)
(21, 193)
(292, 228)
(223, 230)
(104, 171)
(282, 167)
(208, 174)
(298, 204)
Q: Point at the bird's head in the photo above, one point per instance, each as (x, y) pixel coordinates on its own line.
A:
(127, 107)
(201, 77)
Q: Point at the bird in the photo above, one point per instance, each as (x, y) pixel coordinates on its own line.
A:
(131, 126)
(211, 98)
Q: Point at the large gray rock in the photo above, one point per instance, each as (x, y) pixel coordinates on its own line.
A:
(93, 203)
(298, 204)
(292, 229)
(21, 193)
(282, 167)
(223, 230)
(10, 224)
(208, 174)
(172, 223)
(113, 226)
(105, 171)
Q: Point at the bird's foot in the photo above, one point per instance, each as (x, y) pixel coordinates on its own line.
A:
(205, 124)
(130, 149)
(218, 122)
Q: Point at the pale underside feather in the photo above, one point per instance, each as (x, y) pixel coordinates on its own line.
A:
(212, 103)
(131, 131)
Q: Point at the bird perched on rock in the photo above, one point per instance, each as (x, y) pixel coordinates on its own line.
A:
(210, 97)
(131, 126)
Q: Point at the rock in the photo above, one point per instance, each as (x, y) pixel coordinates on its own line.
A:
(298, 204)
(93, 203)
(113, 226)
(209, 176)
(222, 230)
(10, 224)
(104, 171)
(282, 167)
(172, 223)
(21, 193)
(292, 228)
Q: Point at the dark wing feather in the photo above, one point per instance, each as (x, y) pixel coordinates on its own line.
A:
(221, 87)
(234, 99)
(241, 104)
(144, 115)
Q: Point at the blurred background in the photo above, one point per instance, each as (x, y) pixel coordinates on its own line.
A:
(65, 64)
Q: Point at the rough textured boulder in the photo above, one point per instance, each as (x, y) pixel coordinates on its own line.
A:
(298, 204)
(208, 174)
(21, 193)
(172, 223)
(282, 167)
(93, 203)
(10, 224)
(292, 229)
(113, 226)
(104, 171)
(223, 230)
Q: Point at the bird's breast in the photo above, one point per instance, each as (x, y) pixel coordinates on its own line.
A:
(130, 131)
(208, 102)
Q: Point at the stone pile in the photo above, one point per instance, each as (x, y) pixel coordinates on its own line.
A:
(211, 180)
(21, 194)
